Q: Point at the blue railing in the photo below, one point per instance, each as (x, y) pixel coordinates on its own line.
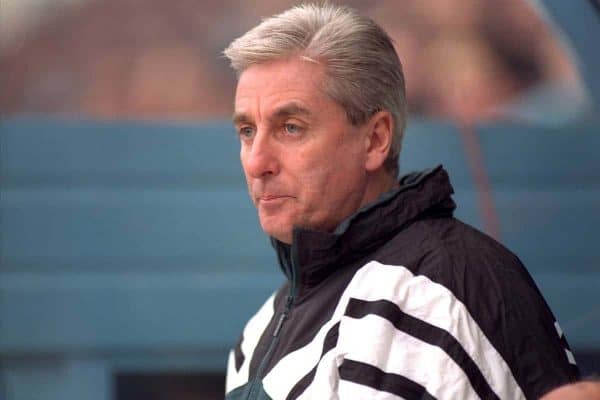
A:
(132, 246)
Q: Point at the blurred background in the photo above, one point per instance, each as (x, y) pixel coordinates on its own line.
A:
(137, 59)
(130, 256)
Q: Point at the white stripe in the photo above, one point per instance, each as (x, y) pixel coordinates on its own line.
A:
(558, 329)
(291, 368)
(435, 304)
(570, 357)
(252, 333)
(350, 390)
(324, 386)
(417, 296)
(232, 377)
(377, 342)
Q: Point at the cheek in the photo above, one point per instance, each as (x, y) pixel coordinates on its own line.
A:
(315, 171)
(322, 181)
(344, 172)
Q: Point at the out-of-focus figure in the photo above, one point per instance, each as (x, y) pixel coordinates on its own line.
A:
(466, 60)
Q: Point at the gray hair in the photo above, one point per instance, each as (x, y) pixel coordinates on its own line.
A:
(364, 74)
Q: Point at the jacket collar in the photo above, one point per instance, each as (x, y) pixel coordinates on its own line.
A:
(314, 255)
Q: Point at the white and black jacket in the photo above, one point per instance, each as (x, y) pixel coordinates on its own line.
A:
(402, 301)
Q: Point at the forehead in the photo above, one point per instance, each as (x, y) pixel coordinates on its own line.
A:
(263, 86)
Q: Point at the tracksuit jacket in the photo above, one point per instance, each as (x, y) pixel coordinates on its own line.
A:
(401, 301)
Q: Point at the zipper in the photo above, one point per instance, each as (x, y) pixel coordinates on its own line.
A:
(280, 322)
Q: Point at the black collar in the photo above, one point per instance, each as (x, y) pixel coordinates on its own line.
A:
(314, 255)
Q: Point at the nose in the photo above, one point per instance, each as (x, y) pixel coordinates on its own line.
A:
(259, 157)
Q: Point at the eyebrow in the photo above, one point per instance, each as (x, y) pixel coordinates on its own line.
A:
(240, 118)
(290, 109)
(286, 110)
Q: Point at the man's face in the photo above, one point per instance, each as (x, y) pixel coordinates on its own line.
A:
(303, 160)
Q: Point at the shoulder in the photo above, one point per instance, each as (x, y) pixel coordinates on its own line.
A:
(470, 286)
(405, 327)
(455, 255)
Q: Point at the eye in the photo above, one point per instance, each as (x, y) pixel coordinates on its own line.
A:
(246, 132)
(292, 129)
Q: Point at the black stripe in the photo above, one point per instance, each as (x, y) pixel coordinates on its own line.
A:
(329, 343)
(368, 375)
(238, 355)
(427, 333)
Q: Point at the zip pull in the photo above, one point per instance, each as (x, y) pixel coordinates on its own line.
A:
(282, 318)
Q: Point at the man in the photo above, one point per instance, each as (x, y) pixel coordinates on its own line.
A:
(388, 296)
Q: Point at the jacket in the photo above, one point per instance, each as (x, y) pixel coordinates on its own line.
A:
(402, 300)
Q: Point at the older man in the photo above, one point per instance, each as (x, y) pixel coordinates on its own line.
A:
(388, 295)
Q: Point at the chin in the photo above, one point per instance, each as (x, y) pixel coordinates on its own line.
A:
(277, 231)
(285, 237)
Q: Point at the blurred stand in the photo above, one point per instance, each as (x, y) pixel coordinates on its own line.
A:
(463, 59)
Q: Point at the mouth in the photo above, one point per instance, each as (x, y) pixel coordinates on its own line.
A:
(271, 198)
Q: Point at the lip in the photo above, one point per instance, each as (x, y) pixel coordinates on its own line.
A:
(271, 198)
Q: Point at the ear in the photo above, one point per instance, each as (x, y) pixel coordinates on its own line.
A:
(378, 140)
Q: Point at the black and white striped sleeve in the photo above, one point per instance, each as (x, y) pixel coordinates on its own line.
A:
(535, 343)
(407, 336)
